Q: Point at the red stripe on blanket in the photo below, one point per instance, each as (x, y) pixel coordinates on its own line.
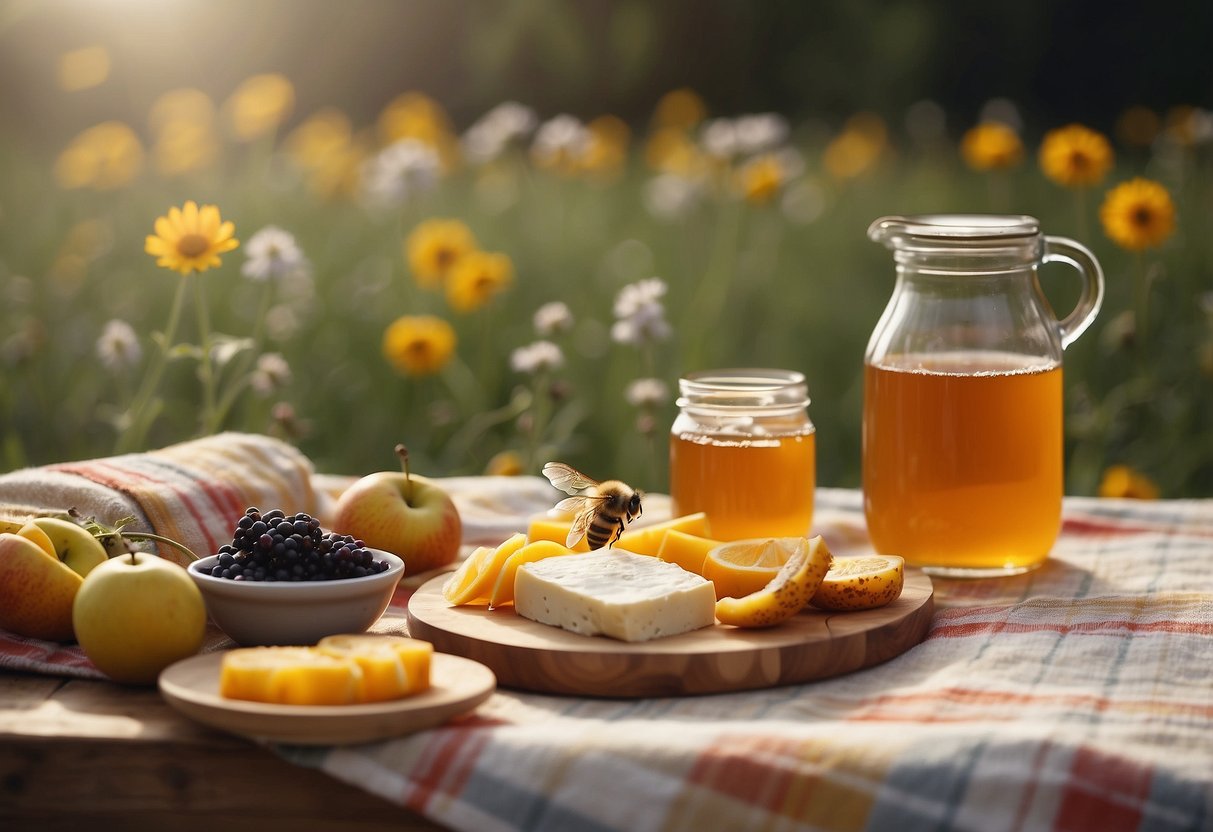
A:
(1197, 628)
(1088, 527)
(747, 768)
(1104, 792)
(926, 706)
(448, 763)
(96, 472)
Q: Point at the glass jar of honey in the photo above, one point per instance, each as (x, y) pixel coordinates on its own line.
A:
(743, 451)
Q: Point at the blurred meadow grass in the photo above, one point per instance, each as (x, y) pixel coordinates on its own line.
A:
(766, 268)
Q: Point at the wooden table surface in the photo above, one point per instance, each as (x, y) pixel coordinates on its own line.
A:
(80, 753)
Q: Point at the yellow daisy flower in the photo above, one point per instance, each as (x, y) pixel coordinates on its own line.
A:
(1075, 156)
(476, 277)
(190, 239)
(991, 145)
(1138, 126)
(433, 247)
(104, 157)
(322, 134)
(858, 148)
(418, 345)
(259, 105)
(504, 464)
(673, 151)
(1126, 483)
(680, 109)
(413, 115)
(1138, 214)
(607, 152)
(761, 178)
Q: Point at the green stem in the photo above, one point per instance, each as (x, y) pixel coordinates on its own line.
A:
(146, 536)
(228, 399)
(139, 417)
(207, 370)
(1141, 287)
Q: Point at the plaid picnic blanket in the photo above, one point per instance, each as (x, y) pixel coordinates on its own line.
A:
(1077, 697)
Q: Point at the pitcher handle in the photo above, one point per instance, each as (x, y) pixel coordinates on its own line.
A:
(1063, 250)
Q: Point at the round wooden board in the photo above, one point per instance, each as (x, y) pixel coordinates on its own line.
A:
(457, 685)
(813, 645)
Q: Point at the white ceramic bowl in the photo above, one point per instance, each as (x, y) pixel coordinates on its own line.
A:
(296, 612)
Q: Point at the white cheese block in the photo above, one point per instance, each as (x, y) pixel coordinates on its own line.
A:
(614, 593)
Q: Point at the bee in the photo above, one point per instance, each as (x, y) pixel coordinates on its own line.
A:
(601, 510)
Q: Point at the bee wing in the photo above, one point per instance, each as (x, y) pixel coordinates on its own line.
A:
(581, 523)
(567, 478)
(571, 504)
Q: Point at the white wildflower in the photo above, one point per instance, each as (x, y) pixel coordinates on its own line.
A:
(281, 322)
(553, 318)
(669, 196)
(719, 138)
(560, 138)
(272, 373)
(271, 254)
(647, 392)
(118, 347)
(641, 329)
(493, 132)
(759, 133)
(1003, 110)
(638, 298)
(398, 172)
(536, 357)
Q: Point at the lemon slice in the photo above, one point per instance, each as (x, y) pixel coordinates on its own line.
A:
(742, 567)
(392, 666)
(462, 578)
(479, 589)
(861, 583)
(289, 676)
(787, 593)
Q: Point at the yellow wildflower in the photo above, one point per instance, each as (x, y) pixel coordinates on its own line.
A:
(607, 151)
(991, 145)
(761, 178)
(106, 156)
(855, 150)
(1138, 126)
(190, 239)
(673, 151)
(433, 247)
(259, 105)
(1183, 125)
(183, 123)
(680, 109)
(322, 134)
(413, 115)
(504, 464)
(1075, 156)
(1138, 214)
(476, 277)
(83, 69)
(419, 345)
(1124, 482)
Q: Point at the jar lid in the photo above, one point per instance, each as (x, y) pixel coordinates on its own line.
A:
(743, 388)
(954, 228)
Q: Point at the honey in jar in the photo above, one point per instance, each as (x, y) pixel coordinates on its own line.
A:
(743, 451)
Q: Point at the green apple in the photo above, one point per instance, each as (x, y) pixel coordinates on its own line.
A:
(408, 516)
(78, 549)
(136, 614)
(36, 590)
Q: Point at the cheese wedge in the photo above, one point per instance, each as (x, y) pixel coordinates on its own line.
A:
(392, 666)
(614, 593)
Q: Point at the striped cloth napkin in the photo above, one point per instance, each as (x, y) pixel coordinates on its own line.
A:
(1077, 697)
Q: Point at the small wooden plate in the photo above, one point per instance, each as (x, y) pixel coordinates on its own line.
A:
(457, 685)
(813, 645)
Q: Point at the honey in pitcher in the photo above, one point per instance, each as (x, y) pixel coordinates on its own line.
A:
(962, 462)
(753, 487)
(744, 452)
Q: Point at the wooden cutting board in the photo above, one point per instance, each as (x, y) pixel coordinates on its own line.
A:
(813, 645)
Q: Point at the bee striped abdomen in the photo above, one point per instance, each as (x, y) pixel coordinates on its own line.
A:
(602, 528)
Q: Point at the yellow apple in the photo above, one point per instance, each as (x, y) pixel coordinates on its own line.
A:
(408, 516)
(36, 590)
(136, 614)
(73, 544)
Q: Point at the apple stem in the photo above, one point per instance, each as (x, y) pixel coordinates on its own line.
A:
(167, 541)
(403, 453)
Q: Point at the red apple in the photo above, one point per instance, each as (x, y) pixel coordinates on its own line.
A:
(408, 516)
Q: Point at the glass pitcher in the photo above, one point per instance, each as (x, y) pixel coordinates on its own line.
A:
(962, 414)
